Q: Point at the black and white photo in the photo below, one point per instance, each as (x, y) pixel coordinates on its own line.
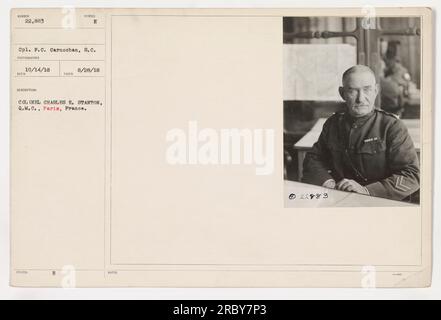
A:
(351, 111)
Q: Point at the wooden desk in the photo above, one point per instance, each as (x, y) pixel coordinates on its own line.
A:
(306, 142)
(335, 198)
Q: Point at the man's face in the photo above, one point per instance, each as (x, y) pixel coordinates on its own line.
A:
(359, 91)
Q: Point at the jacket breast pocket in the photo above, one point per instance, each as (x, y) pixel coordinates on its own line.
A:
(373, 148)
(372, 160)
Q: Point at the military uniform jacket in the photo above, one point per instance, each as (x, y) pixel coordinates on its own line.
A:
(375, 150)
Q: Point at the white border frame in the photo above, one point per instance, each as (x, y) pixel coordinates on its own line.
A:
(7, 292)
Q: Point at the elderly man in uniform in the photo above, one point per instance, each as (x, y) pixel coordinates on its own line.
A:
(363, 149)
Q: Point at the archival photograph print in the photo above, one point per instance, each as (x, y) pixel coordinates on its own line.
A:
(351, 111)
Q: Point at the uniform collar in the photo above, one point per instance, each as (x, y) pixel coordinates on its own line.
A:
(360, 120)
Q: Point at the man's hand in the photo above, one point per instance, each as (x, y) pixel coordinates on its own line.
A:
(351, 186)
(330, 183)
